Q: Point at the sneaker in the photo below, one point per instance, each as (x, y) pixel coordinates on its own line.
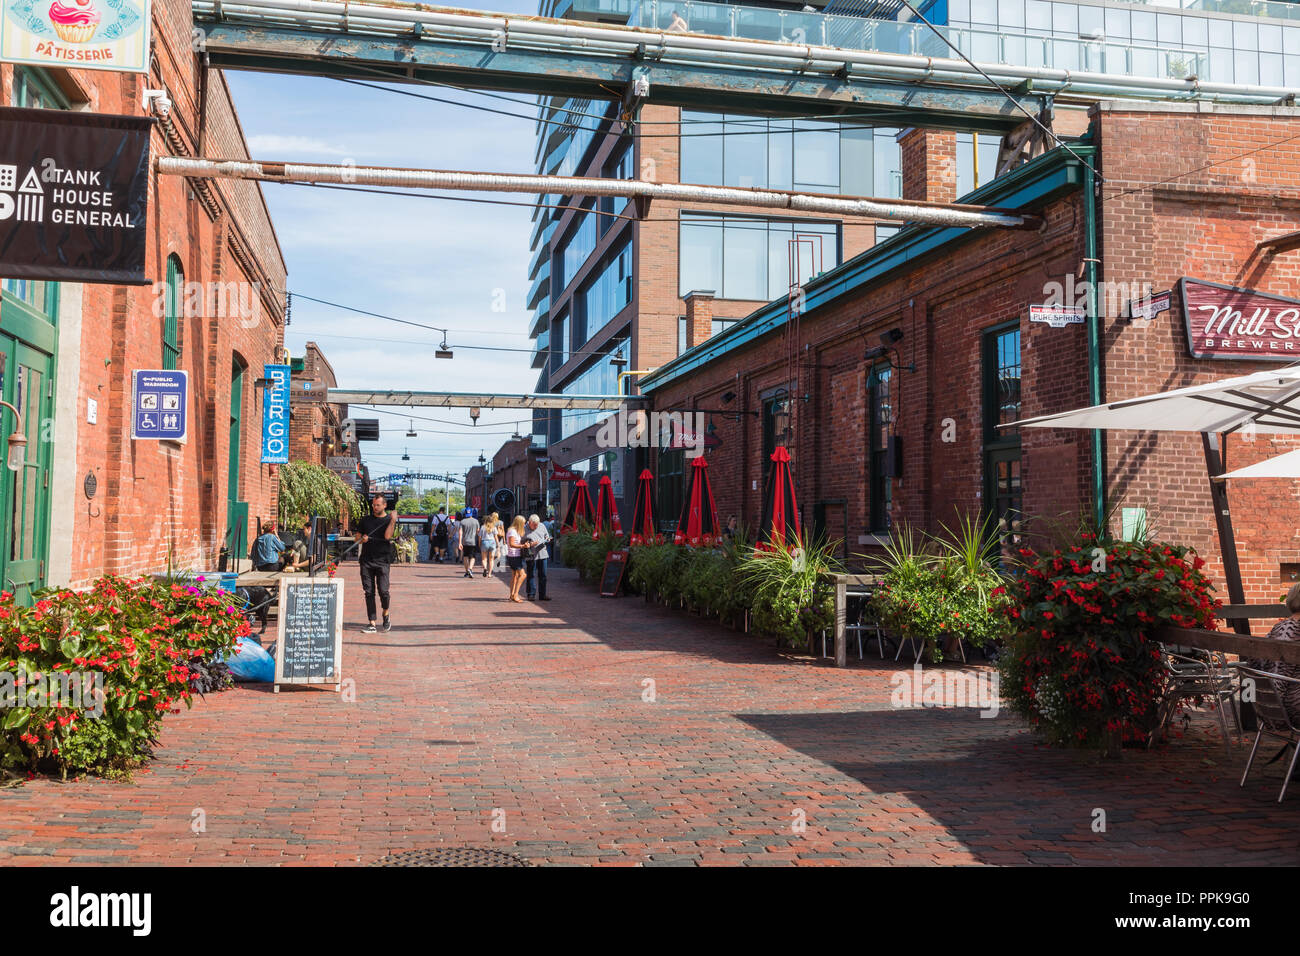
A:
(387, 625)
(369, 629)
(468, 575)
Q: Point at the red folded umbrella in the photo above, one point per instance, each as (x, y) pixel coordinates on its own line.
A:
(606, 509)
(579, 508)
(780, 525)
(643, 519)
(699, 522)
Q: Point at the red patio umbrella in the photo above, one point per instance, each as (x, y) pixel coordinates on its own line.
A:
(780, 525)
(699, 522)
(643, 519)
(579, 508)
(606, 509)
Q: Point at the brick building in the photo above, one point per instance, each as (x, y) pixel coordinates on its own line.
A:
(516, 467)
(316, 432)
(890, 388)
(215, 309)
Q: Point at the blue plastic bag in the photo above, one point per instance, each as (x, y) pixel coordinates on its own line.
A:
(252, 663)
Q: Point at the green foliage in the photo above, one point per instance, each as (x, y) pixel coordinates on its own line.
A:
(136, 639)
(308, 489)
(1084, 665)
(935, 588)
(791, 596)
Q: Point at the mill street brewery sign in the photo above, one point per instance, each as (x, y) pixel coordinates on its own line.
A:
(73, 196)
(1226, 322)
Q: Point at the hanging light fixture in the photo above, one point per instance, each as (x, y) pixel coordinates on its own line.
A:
(410, 432)
(473, 413)
(405, 455)
(443, 350)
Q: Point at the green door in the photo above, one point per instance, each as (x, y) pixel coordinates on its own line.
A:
(27, 384)
(236, 510)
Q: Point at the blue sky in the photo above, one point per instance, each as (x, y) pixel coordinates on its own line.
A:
(430, 261)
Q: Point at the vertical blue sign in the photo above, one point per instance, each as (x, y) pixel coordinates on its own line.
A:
(160, 404)
(275, 416)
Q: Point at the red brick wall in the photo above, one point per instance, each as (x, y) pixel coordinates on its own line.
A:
(166, 502)
(929, 161)
(1206, 225)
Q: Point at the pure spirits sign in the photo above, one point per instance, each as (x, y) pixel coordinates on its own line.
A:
(1226, 322)
(73, 196)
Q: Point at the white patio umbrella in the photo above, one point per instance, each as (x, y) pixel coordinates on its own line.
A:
(1267, 402)
(1271, 400)
(1286, 465)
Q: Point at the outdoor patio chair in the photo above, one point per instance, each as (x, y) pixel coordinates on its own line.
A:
(1274, 719)
(1192, 674)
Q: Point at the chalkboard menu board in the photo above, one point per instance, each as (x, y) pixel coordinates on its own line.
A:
(309, 642)
(612, 577)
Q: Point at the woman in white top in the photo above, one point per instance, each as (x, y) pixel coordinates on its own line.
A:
(515, 557)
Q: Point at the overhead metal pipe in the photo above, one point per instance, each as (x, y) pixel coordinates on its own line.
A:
(938, 214)
(658, 44)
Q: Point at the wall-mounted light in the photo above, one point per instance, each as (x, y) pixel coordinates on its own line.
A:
(16, 453)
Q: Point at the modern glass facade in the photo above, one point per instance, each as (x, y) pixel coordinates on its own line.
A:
(744, 257)
(814, 156)
(599, 377)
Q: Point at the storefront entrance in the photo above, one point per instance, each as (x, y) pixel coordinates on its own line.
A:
(27, 345)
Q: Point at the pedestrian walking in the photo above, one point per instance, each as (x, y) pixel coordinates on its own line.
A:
(515, 557)
(469, 541)
(375, 532)
(536, 539)
(440, 533)
(453, 538)
(488, 544)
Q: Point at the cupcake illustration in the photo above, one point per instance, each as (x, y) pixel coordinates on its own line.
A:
(76, 21)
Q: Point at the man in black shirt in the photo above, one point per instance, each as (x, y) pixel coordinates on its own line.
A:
(375, 532)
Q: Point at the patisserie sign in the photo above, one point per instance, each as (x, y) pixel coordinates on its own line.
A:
(83, 34)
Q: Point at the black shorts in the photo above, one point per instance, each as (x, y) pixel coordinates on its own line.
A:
(515, 562)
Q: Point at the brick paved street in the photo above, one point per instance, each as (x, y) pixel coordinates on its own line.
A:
(472, 704)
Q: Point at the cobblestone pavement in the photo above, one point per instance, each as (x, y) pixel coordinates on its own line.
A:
(481, 723)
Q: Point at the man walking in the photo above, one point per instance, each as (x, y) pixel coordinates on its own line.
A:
(375, 532)
(453, 538)
(468, 541)
(440, 532)
(536, 539)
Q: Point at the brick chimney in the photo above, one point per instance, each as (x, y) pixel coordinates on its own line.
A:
(699, 317)
(929, 160)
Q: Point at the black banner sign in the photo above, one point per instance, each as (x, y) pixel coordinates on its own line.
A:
(74, 193)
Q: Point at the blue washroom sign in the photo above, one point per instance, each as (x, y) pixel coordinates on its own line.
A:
(275, 416)
(160, 404)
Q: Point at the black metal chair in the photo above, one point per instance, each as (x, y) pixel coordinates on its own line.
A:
(1274, 718)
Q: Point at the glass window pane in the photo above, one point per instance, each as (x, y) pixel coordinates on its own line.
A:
(780, 156)
(1169, 29)
(1291, 40)
(1038, 17)
(1195, 33)
(985, 48)
(1065, 19)
(701, 261)
(888, 163)
(958, 11)
(1221, 65)
(744, 160)
(857, 178)
(1270, 69)
(984, 12)
(816, 155)
(1011, 13)
(1092, 22)
(744, 261)
(1270, 38)
(701, 152)
(1246, 66)
(1245, 37)
(1144, 27)
(1117, 25)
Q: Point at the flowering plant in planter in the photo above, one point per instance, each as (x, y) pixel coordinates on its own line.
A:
(1084, 666)
(119, 655)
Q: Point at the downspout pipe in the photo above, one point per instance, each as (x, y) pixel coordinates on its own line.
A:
(1090, 264)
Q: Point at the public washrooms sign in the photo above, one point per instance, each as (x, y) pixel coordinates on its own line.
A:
(1225, 322)
(275, 416)
(159, 404)
(73, 196)
(82, 34)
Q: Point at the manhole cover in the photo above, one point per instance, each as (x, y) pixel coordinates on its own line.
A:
(452, 856)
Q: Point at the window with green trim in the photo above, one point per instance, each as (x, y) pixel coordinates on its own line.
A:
(171, 353)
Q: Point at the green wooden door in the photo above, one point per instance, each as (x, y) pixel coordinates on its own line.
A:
(28, 384)
(236, 510)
